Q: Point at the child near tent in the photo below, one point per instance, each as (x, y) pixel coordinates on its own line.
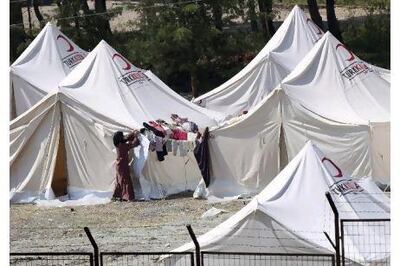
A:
(123, 190)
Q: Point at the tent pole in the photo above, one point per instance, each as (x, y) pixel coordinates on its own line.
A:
(196, 244)
(337, 237)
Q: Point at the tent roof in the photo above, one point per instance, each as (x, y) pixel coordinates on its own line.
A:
(48, 59)
(294, 38)
(291, 213)
(108, 83)
(333, 82)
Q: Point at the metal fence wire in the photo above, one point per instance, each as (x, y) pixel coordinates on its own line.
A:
(51, 259)
(265, 259)
(146, 258)
(365, 241)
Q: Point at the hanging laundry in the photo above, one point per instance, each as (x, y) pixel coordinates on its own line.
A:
(154, 130)
(202, 155)
(179, 134)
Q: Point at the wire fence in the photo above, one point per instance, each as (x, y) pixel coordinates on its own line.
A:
(146, 258)
(366, 241)
(265, 259)
(52, 259)
(356, 241)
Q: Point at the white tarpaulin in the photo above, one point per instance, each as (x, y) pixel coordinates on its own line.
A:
(291, 214)
(336, 85)
(39, 69)
(246, 155)
(107, 83)
(105, 94)
(291, 42)
(342, 105)
(37, 137)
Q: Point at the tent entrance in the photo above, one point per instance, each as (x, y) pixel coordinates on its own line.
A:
(60, 177)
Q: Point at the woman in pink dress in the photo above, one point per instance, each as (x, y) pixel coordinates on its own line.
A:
(123, 190)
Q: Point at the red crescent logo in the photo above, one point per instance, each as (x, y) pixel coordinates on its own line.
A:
(70, 48)
(314, 26)
(127, 65)
(339, 172)
(351, 58)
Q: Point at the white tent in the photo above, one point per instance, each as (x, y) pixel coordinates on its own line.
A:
(39, 69)
(335, 84)
(107, 83)
(347, 119)
(291, 42)
(291, 214)
(64, 143)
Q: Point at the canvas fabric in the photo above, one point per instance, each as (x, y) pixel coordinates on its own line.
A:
(291, 42)
(291, 213)
(43, 64)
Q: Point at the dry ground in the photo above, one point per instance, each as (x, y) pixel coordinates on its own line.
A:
(138, 226)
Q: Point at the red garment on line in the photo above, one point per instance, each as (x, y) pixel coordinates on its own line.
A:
(157, 126)
(179, 134)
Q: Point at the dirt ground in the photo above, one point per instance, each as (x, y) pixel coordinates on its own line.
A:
(138, 226)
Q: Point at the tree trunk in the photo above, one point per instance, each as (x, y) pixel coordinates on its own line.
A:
(28, 6)
(17, 33)
(103, 25)
(252, 15)
(84, 7)
(37, 12)
(271, 28)
(333, 24)
(217, 14)
(263, 19)
(76, 20)
(194, 84)
(314, 13)
(15, 12)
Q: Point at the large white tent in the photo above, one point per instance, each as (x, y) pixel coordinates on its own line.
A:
(291, 214)
(39, 69)
(335, 84)
(106, 82)
(64, 143)
(347, 118)
(291, 42)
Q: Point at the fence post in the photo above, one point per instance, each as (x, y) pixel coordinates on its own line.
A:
(337, 237)
(196, 244)
(95, 247)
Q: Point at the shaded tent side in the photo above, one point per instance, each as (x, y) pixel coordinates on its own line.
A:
(62, 147)
(38, 140)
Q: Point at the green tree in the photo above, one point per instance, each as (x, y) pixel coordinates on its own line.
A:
(176, 38)
(17, 33)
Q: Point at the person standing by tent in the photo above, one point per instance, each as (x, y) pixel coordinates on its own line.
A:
(123, 190)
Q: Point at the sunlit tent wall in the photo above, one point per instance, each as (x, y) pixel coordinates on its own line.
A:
(348, 118)
(39, 69)
(335, 84)
(291, 42)
(291, 215)
(103, 94)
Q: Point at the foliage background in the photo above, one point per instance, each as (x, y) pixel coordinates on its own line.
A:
(197, 46)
